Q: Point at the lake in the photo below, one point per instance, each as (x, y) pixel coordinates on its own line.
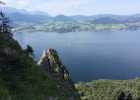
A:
(91, 55)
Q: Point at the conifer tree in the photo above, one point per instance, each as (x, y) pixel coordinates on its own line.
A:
(121, 96)
(5, 23)
(129, 97)
(29, 50)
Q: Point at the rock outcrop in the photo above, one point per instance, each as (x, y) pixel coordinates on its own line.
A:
(51, 62)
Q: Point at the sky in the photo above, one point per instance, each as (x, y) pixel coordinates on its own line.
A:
(78, 7)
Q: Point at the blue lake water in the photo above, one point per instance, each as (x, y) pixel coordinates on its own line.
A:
(91, 55)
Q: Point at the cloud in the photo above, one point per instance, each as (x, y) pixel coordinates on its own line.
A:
(78, 7)
(18, 3)
(65, 7)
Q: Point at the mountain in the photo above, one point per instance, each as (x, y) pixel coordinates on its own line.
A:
(62, 18)
(23, 20)
(133, 18)
(23, 16)
(82, 17)
(106, 20)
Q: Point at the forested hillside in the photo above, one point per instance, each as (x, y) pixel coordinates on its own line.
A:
(21, 78)
(110, 90)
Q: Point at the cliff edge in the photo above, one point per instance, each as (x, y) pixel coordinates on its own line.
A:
(22, 79)
(51, 63)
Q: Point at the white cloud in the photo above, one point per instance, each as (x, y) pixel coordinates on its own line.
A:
(17, 3)
(74, 7)
(69, 7)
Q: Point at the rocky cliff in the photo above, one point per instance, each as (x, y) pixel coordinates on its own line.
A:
(51, 63)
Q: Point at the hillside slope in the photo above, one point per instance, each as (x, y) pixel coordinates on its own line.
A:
(22, 79)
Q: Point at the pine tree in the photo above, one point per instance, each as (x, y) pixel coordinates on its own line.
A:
(121, 96)
(129, 97)
(29, 50)
(5, 25)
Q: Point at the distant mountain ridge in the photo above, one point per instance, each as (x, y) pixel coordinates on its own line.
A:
(41, 21)
(18, 14)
